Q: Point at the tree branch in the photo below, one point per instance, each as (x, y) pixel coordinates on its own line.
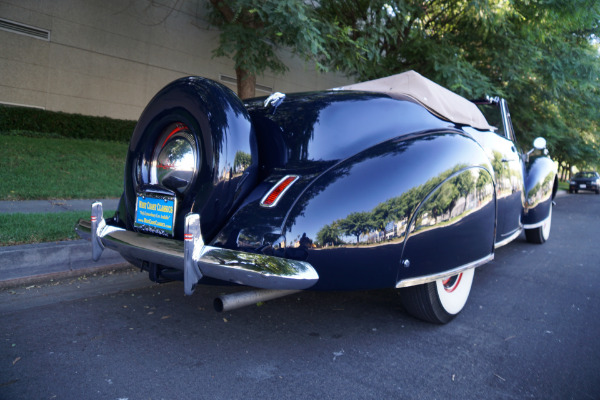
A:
(224, 9)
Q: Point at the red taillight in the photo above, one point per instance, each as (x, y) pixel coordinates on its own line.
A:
(273, 196)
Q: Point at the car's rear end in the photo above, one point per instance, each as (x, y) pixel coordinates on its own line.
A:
(212, 185)
(334, 190)
(192, 161)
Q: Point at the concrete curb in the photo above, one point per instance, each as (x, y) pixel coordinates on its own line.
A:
(29, 263)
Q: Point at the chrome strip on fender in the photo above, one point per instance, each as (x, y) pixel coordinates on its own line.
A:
(250, 269)
(537, 224)
(509, 239)
(431, 278)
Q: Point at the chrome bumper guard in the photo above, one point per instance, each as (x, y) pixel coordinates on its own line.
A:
(195, 258)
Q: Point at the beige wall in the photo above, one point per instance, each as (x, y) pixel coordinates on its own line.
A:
(109, 57)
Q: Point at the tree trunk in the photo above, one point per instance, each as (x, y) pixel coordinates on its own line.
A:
(561, 171)
(246, 83)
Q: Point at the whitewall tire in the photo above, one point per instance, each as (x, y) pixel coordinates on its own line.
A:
(540, 234)
(440, 301)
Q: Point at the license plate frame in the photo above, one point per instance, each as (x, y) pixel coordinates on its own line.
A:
(155, 213)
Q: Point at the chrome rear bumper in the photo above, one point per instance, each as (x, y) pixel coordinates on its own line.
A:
(196, 259)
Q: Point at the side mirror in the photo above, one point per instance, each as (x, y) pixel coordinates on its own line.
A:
(539, 143)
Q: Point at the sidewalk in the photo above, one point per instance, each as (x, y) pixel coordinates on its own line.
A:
(31, 263)
(53, 206)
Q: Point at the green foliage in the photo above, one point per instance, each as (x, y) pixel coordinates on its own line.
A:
(329, 235)
(36, 122)
(356, 224)
(540, 55)
(558, 95)
(58, 168)
(253, 30)
(241, 161)
(250, 31)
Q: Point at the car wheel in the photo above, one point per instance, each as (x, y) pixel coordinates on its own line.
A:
(540, 234)
(440, 301)
(571, 191)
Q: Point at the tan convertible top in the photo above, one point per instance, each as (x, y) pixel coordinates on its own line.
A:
(437, 99)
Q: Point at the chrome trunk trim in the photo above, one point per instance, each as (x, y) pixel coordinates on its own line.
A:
(197, 260)
(434, 277)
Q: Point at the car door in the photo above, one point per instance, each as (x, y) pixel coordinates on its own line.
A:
(506, 159)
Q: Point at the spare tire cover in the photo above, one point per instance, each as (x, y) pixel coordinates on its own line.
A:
(218, 126)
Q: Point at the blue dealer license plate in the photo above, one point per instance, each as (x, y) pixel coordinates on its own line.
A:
(155, 214)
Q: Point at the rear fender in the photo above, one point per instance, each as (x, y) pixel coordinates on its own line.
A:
(354, 221)
(452, 229)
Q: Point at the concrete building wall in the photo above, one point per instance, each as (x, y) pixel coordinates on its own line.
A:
(109, 57)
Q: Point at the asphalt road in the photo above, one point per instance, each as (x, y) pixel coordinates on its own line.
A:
(529, 330)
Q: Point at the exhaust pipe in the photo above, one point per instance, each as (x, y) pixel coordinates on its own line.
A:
(228, 302)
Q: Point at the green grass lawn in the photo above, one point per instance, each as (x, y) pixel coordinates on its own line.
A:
(59, 168)
(563, 185)
(40, 167)
(22, 228)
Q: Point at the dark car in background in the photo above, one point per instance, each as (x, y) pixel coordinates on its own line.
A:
(585, 180)
(393, 183)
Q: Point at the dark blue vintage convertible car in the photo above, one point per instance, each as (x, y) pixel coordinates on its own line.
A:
(392, 183)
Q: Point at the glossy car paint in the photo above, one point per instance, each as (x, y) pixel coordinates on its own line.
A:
(362, 177)
(540, 188)
(508, 179)
(381, 215)
(386, 191)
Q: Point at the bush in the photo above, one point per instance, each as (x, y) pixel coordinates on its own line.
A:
(59, 124)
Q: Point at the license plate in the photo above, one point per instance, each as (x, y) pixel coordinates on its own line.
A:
(582, 186)
(155, 214)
